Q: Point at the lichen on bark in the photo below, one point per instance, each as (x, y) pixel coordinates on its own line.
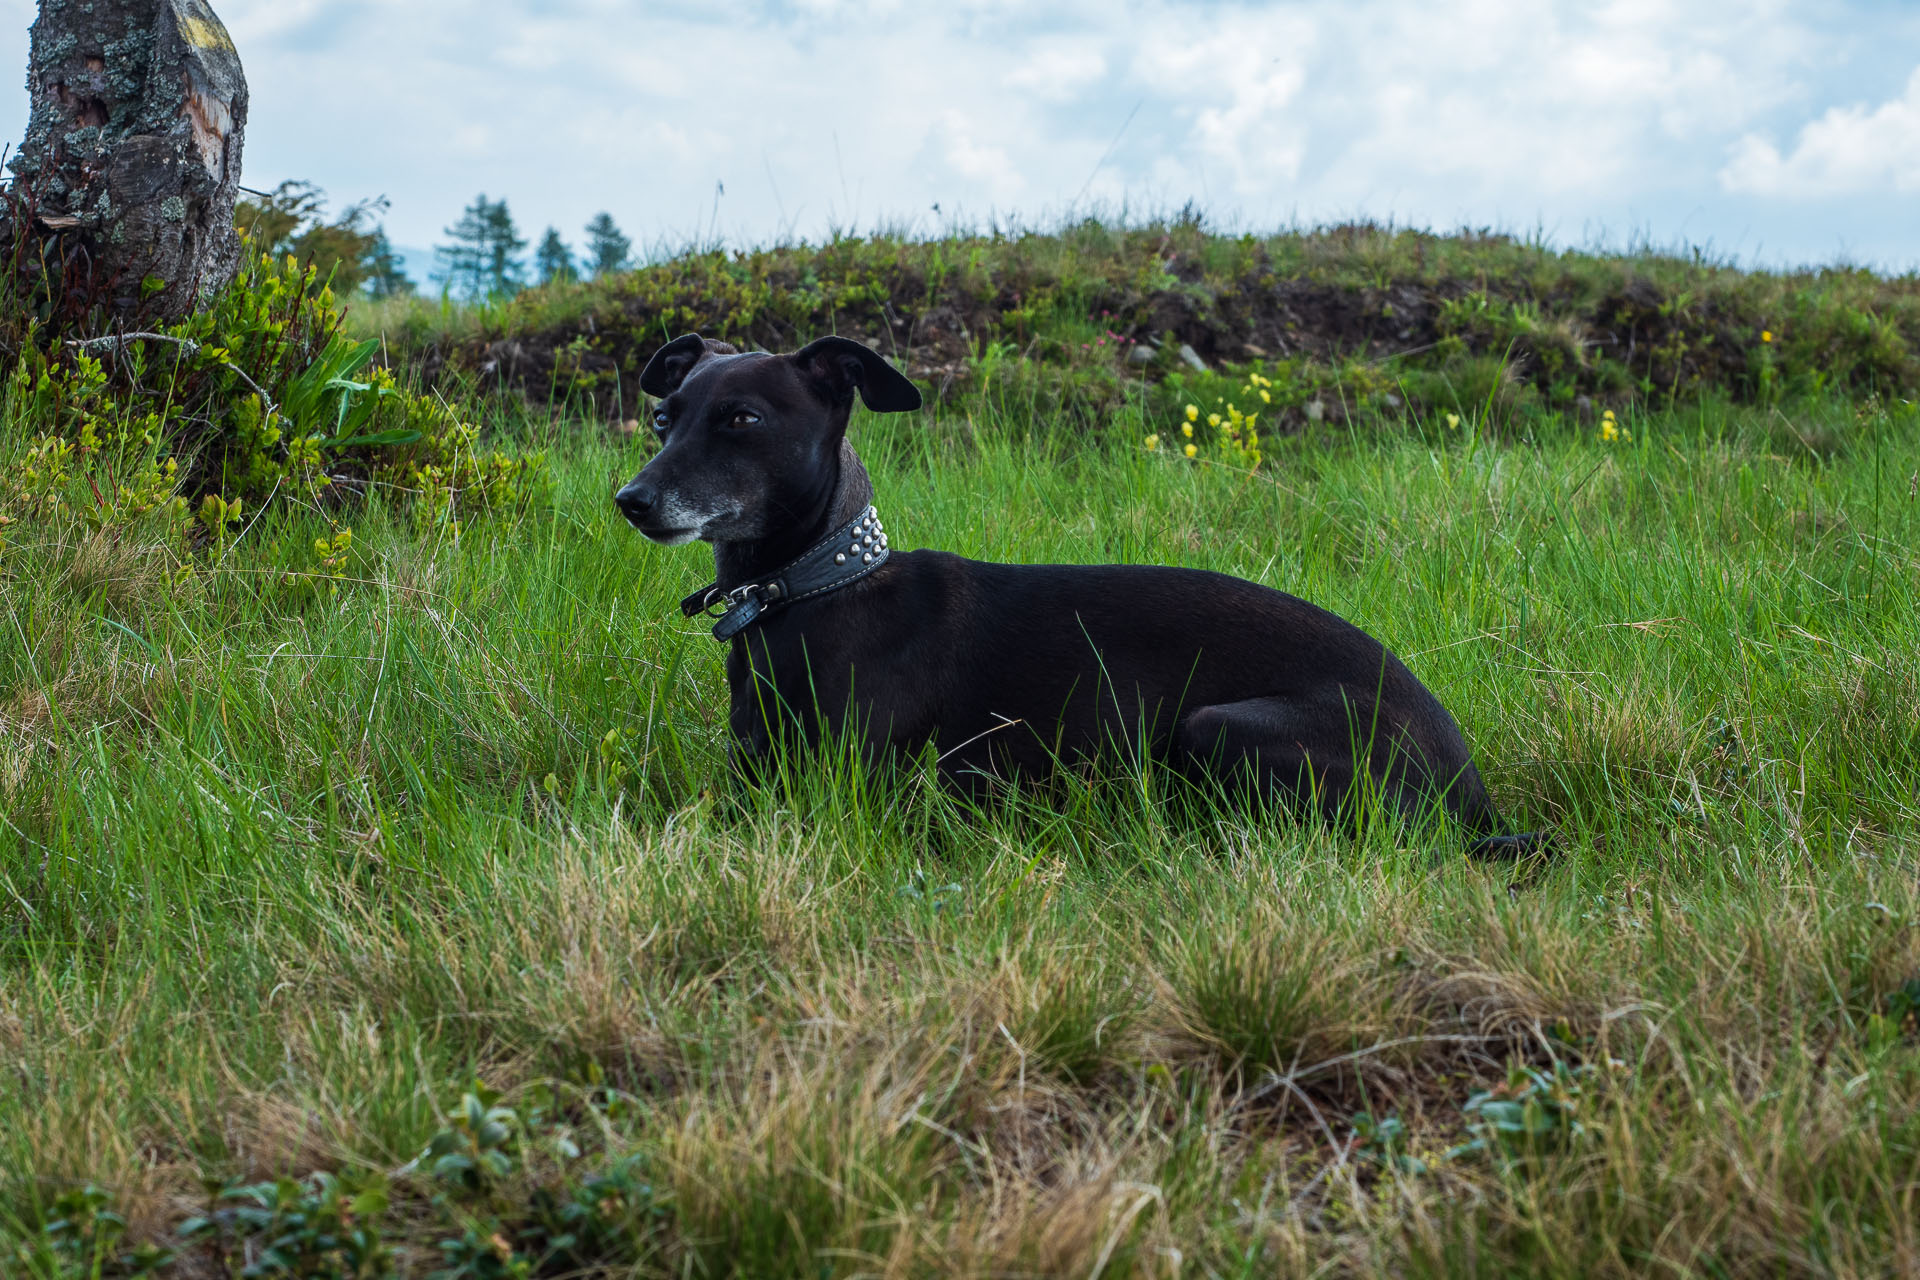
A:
(132, 153)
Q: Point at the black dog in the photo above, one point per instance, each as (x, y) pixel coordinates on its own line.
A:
(1006, 669)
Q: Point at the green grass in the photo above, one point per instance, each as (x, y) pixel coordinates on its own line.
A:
(289, 865)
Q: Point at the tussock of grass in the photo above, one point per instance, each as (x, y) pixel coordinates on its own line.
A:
(1274, 990)
(285, 872)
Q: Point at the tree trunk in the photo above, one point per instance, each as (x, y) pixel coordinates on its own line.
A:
(132, 154)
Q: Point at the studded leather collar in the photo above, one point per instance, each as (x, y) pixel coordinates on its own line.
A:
(843, 557)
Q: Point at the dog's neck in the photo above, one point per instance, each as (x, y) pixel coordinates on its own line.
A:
(736, 563)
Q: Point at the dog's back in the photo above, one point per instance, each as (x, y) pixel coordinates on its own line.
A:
(1017, 668)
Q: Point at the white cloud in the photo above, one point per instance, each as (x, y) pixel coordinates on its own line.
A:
(1639, 115)
(1847, 151)
(842, 8)
(1058, 70)
(249, 25)
(1235, 75)
(984, 163)
(1520, 99)
(473, 139)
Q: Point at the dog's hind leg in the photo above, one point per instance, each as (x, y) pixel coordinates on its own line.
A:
(1321, 756)
(1275, 746)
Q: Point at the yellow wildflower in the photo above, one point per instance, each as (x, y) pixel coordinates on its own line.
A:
(1186, 429)
(1153, 441)
(1213, 419)
(1766, 335)
(1453, 420)
(1191, 451)
(1193, 413)
(1265, 398)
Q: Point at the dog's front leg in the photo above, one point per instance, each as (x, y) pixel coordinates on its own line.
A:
(750, 745)
(750, 763)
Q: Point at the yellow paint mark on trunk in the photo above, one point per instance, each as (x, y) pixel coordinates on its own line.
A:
(204, 31)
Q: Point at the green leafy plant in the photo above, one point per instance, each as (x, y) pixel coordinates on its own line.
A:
(918, 888)
(1899, 1020)
(547, 1223)
(482, 1254)
(607, 1219)
(258, 395)
(84, 1239)
(326, 1227)
(1535, 1112)
(1382, 1141)
(616, 756)
(479, 1146)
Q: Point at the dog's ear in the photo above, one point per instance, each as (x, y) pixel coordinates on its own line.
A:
(840, 365)
(672, 363)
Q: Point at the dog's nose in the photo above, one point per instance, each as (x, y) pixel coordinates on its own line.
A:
(637, 500)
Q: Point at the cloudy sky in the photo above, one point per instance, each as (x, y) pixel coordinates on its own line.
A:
(1776, 131)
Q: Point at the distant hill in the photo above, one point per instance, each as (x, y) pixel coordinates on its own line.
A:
(1351, 322)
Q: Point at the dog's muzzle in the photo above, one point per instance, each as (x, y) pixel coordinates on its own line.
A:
(660, 518)
(636, 502)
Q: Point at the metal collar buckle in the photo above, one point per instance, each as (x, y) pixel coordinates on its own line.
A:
(846, 555)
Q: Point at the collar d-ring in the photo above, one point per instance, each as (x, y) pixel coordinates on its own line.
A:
(846, 555)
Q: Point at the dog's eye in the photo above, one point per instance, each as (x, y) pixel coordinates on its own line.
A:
(659, 419)
(745, 418)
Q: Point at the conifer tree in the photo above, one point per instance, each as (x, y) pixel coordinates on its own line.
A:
(483, 259)
(459, 262)
(385, 277)
(553, 260)
(504, 245)
(607, 249)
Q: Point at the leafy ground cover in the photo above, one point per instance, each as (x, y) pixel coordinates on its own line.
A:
(411, 923)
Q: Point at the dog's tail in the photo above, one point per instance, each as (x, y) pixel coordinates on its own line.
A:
(1483, 827)
(1532, 844)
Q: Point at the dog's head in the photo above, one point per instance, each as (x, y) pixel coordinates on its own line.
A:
(749, 440)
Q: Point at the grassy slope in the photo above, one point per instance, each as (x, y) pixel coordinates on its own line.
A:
(1355, 316)
(283, 871)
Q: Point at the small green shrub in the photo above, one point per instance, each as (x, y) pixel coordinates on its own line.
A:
(84, 1239)
(259, 395)
(480, 1145)
(326, 1227)
(605, 1220)
(1535, 1112)
(1899, 1021)
(508, 1179)
(1383, 1141)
